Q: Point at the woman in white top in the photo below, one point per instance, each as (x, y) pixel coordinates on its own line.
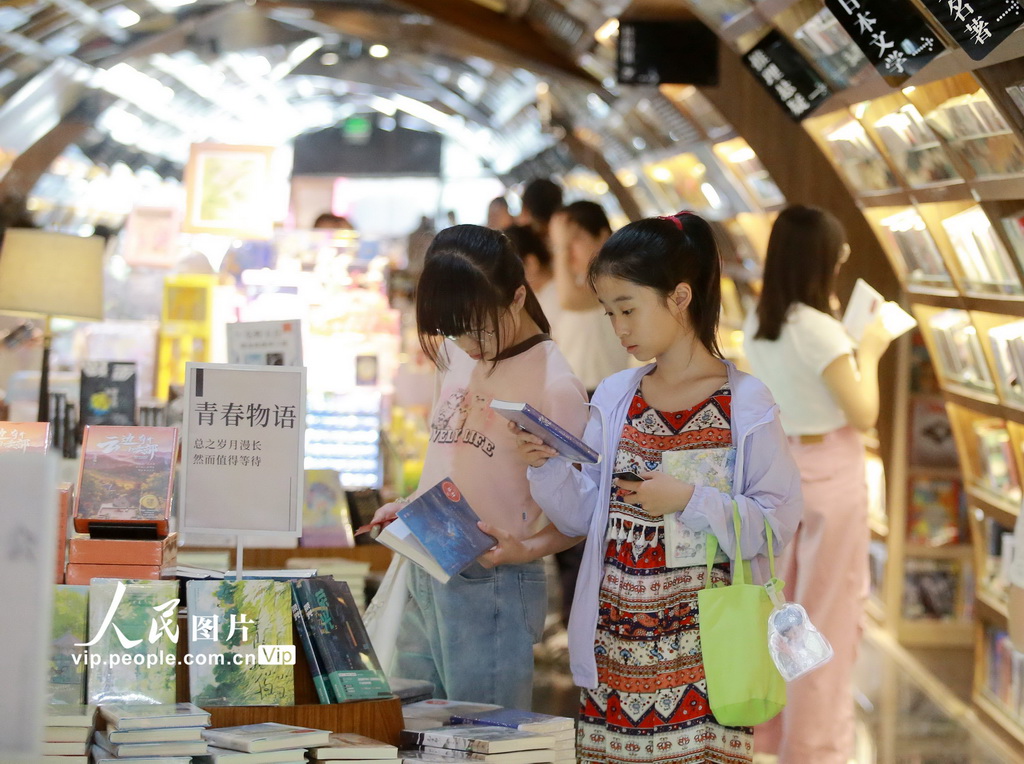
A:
(827, 391)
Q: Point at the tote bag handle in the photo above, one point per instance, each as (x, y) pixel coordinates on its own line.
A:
(740, 570)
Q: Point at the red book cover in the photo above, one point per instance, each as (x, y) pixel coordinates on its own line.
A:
(126, 477)
(63, 505)
(161, 553)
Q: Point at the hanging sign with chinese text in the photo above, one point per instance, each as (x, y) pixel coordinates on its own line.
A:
(242, 449)
(891, 33)
(978, 26)
(787, 75)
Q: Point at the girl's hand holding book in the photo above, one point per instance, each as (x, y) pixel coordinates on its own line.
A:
(659, 494)
(508, 550)
(531, 448)
(385, 515)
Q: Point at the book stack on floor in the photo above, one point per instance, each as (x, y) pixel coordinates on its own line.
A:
(477, 742)
(266, 743)
(67, 734)
(350, 748)
(123, 502)
(170, 733)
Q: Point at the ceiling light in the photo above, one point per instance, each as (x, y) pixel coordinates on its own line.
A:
(379, 51)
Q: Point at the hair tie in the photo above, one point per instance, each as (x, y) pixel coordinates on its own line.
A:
(674, 219)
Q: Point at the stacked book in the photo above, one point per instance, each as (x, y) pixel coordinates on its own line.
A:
(123, 503)
(350, 748)
(266, 743)
(478, 742)
(148, 733)
(562, 729)
(67, 734)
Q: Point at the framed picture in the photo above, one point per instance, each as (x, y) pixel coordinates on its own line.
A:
(228, 191)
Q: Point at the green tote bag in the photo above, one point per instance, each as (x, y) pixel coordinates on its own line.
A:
(744, 686)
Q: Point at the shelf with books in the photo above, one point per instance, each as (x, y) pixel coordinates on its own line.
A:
(990, 455)
(998, 507)
(955, 349)
(910, 247)
(998, 676)
(737, 155)
(860, 162)
(817, 33)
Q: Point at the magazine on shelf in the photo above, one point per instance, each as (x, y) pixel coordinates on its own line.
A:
(553, 435)
(438, 531)
(866, 304)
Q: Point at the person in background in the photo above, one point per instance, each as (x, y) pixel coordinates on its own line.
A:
(498, 216)
(416, 245)
(330, 220)
(827, 392)
(541, 198)
(634, 644)
(480, 323)
(537, 266)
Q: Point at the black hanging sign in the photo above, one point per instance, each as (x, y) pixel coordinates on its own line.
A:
(891, 33)
(787, 75)
(978, 26)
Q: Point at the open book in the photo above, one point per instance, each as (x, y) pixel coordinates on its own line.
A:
(865, 304)
(438, 531)
(558, 438)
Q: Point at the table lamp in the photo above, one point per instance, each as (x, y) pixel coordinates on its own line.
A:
(51, 274)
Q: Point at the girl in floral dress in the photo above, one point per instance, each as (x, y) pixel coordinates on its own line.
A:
(634, 633)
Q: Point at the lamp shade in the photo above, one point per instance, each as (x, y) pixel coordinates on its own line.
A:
(56, 274)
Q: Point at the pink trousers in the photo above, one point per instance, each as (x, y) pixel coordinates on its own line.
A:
(825, 568)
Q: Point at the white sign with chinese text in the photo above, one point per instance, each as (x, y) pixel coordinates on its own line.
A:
(28, 531)
(242, 449)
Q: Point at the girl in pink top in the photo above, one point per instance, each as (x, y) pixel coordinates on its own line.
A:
(481, 324)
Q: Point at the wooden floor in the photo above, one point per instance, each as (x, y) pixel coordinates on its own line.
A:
(913, 706)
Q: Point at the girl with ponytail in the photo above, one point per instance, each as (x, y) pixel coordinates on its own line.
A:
(634, 643)
(481, 325)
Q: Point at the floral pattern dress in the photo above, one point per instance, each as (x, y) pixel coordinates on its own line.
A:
(650, 704)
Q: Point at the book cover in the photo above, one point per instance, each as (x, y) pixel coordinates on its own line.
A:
(157, 735)
(530, 419)
(137, 621)
(866, 304)
(161, 553)
(265, 343)
(477, 738)
(267, 736)
(712, 467)
(162, 748)
(74, 715)
(231, 623)
(107, 393)
(436, 712)
(438, 531)
(70, 628)
(349, 745)
(25, 437)
(515, 718)
(139, 716)
(126, 476)
(341, 641)
(936, 513)
(320, 681)
(931, 434)
(325, 515)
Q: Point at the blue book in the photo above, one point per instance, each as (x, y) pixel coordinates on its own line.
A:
(558, 438)
(514, 718)
(320, 682)
(438, 531)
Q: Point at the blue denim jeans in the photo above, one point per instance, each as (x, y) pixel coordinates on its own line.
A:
(473, 637)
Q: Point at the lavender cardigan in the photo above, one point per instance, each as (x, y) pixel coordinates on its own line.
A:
(766, 484)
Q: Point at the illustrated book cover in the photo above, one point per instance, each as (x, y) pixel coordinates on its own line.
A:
(144, 716)
(266, 736)
(526, 721)
(477, 738)
(232, 624)
(138, 619)
(553, 435)
(325, 515)
(342, 644)
(69, 630)
(126, 477)
(25, 437)
(438, 531)
(712, 467)
(107, 393)
(321, 681)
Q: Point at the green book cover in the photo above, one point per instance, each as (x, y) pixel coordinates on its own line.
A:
(316, 669)
(67, 661)
(242, 621)
(133, 641)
